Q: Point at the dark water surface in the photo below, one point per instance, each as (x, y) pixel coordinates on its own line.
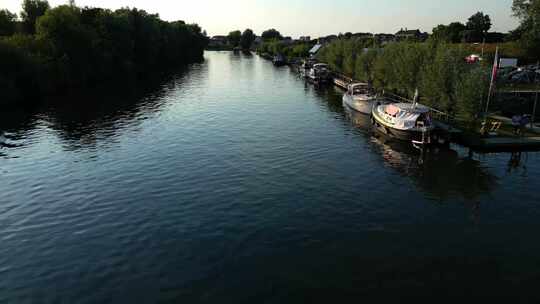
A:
(236, 182)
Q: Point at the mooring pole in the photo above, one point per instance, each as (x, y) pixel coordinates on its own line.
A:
(536, 97)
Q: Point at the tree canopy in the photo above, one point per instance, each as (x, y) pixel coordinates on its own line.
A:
(479, 23)
(234, 38)
(7, 23)
(452, 33)
(31, 11)
(271, 34)
(247, 39)
(80, 47)
(528, 32)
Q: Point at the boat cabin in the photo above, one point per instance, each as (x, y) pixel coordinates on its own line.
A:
(359, 89)
(320, 66)
(407, 115)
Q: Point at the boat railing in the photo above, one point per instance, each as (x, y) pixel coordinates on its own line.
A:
(437, 114)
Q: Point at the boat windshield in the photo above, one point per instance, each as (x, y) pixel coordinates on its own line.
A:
(361, 91)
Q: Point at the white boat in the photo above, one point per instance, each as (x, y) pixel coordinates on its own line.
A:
(279, 60)
(404, 121)
(319, 73)
(306, 67)
(360, 97)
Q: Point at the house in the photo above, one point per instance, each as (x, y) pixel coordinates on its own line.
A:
(257, 42)
(327, 39)
(385, 38)
(362, 35)
(305, 38)
(218, 41)
(287, 40)
(405, 34)
(315, 49)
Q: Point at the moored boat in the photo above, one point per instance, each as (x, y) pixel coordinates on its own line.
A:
(306, 66)
(404, 121)
(279, 60)
(360, 97)
(319, 73)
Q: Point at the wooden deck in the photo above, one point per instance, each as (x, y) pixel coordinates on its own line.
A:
(502, 144)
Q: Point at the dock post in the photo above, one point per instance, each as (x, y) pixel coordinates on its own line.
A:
(536, 97)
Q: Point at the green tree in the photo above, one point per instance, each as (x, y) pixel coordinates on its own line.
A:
(528, 11)
(471, 93)
(234, 38)
(7, 23)
(479, 24)
(247, 39)
(31, 11)
(271, 34)
(301, 50)
(365, 64)
(399, 67)
(440, 75)
(451, 33)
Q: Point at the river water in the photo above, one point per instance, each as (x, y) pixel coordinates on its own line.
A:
(236, 182)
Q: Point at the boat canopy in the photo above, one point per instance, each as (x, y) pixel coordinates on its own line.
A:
(404, 115)
(320, 66)
(359, 88)
(315, 49)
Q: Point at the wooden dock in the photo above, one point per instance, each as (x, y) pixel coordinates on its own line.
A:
(503, 143)
(342, 81)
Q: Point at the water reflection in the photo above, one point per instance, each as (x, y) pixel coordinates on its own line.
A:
(440, 172)
(83, 120)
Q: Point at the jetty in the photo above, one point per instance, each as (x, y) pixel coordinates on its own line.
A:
(503, 143)
(341, 80)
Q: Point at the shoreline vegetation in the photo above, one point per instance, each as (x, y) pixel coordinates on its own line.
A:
(432, 63)
(53, 50)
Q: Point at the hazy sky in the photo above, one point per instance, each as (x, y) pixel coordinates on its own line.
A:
(311, 17)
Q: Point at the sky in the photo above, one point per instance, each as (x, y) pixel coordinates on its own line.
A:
(311, 17)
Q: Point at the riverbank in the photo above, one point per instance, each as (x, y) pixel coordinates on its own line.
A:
(488, 138)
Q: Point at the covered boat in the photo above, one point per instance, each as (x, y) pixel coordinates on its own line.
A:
(360, 97)
(405, 121)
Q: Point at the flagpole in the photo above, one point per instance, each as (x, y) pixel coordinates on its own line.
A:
(493, 79)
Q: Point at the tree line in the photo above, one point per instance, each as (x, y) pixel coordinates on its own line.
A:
(53, 49)
(243, 40)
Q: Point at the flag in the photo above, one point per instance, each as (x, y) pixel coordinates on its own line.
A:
(495, 67)
(493, 79)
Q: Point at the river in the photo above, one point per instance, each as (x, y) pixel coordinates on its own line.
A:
(236, 182)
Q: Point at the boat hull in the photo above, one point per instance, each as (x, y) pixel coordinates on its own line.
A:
(362, 106)
(404, 135)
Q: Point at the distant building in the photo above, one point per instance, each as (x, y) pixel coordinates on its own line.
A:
(218, 41)
(405, 34)
(257, 42)
(385, 38)
(327, 39)
(305, 38)
(287, 40)
(362, 35)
